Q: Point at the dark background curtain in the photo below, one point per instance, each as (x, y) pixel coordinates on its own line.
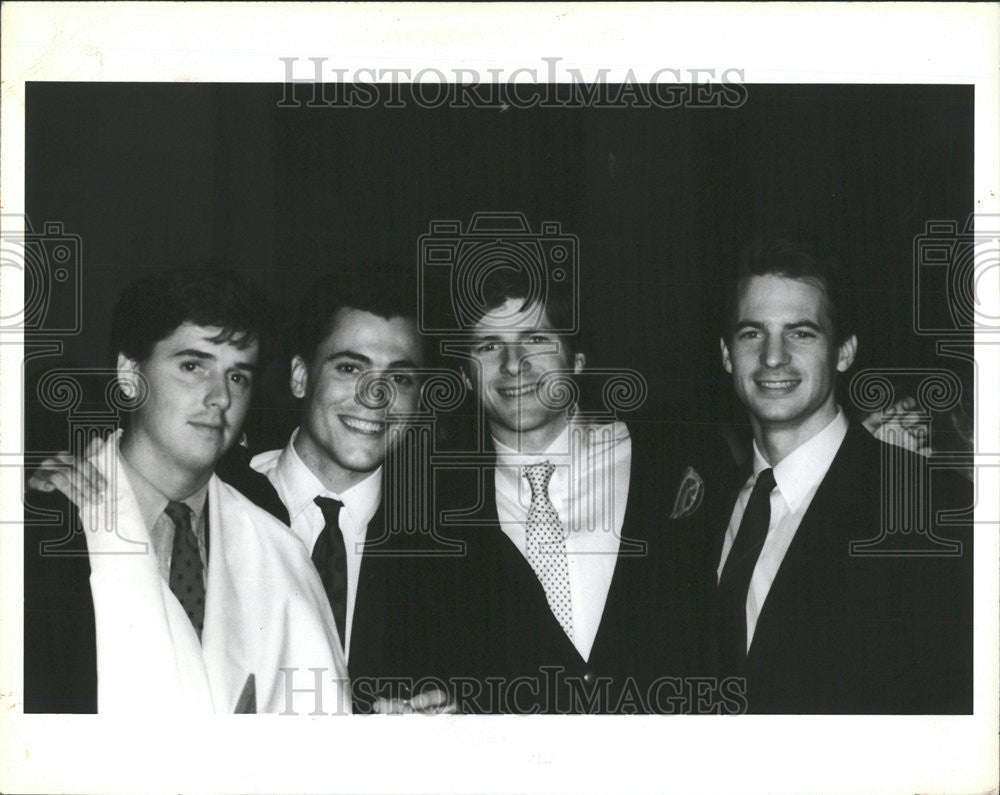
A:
(160, 175)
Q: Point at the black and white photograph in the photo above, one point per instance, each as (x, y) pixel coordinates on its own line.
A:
(407, 394)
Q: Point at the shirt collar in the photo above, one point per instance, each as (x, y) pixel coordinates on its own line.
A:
(798, 473)
(152, 502)
(301, 486)
(597, 437)
(508, 457)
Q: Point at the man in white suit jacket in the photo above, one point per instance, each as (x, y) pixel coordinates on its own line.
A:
(167, 590)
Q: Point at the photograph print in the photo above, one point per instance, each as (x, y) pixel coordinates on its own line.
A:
(563, 398)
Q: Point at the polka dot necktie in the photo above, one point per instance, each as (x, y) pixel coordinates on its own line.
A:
(546, 545)
(329, 555)
(186, 569)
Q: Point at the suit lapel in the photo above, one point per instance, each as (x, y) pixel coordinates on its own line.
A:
(513, 560)
(369, 619)
(518, 593)
(651, 545)
(815, 545)
(631, 563)
(235, 470)
(208, 532)
(724, 512)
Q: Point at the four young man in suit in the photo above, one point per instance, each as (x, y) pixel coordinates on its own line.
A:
(589, 581)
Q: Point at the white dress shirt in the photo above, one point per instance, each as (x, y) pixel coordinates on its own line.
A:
(152, 504)
(261, 582)
(589, 490)
(797, 477)
(298, 487)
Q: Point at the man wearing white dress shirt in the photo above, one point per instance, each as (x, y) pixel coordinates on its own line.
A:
(588, 489)
(813, 623)
(299, 487)
(579, 594)
(355, 367)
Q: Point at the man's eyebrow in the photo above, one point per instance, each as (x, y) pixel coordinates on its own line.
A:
(402, 364)
(205, 356)
(194, 353)
(348, 354)
(804, 323)
(811, 324)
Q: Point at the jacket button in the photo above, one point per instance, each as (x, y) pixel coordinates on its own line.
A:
(588, 677)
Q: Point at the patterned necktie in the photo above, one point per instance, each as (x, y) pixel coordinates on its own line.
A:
(330, 558)
(546, 545)
(186, 570)
(734, 584)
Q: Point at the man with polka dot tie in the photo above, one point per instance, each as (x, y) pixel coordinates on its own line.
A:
(579, 592)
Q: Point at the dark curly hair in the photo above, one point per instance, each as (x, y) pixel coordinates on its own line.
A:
(152, 307)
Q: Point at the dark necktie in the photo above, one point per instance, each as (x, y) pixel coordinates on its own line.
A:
(186, 578)
(330, 558)
(734, 584)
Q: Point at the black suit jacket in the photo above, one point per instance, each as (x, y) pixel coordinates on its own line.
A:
(60, 641)
(387, 655)
(505, 652)
(60, 636)
(863, 631)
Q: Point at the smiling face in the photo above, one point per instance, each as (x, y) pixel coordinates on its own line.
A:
(514, 349)
(342, 437)
(199, 394)
(784, 359)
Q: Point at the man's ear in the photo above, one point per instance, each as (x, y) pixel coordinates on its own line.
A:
(579, 362)
(128, 376)
(466, 369)
(727, 363)
(299, 378)
(846, 352)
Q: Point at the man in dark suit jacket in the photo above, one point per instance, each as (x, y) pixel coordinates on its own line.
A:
(581, 588)
(355, 365)
(824, 608)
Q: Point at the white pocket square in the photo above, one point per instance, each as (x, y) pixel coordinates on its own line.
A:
(689, 494)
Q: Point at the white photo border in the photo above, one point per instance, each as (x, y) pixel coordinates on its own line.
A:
(242, 42)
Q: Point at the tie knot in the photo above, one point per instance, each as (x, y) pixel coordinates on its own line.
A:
(179, 513)
(538, 476)
(765, 481)
(330, 508)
